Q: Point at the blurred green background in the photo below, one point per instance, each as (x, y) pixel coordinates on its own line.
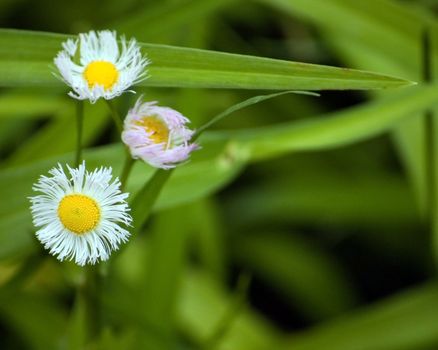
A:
(331, 218)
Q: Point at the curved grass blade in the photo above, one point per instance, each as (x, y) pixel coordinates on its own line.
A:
(246, 103)
(341, 128)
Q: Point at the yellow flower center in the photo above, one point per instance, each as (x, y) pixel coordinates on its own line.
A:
(79, 213)
(156, 127)
(101, 73)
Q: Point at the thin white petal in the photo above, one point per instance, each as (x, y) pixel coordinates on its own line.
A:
(100, 46)
(89, 247)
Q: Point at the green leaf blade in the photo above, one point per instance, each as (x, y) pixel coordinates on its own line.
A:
(26, 60)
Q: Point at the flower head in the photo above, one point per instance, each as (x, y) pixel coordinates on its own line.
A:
(78, 216)
(157, 135)
(96, 66)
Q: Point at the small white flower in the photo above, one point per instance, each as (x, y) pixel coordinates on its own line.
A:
(96, 66)
(157, 135)
(79, 216)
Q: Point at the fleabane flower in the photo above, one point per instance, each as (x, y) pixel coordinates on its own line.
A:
(78, 215)
(157, 135)
(95, 65)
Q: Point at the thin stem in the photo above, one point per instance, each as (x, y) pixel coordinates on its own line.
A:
(129, 162)
(146, 197)
(127, 167)
(79, 127)
(89, 291)
(115, 115)
(91, 294)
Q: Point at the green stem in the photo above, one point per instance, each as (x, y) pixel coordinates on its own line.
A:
(127, 167)
(89, 291)
(79, 126)
(145, 199)
(141, 207)
(91, 296)
(115, 115)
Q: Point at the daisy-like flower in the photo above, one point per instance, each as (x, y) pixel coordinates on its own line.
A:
(96, 66)
(78, 215)
(157, 135)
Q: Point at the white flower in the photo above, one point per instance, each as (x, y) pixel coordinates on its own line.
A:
(79, 215)
(157, 135)
(96, 66)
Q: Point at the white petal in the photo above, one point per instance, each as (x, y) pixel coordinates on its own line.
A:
(100, 46)
(89, 247)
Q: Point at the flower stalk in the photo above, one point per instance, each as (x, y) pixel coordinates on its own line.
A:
(115, 116)
(126, 171)
(79, 131)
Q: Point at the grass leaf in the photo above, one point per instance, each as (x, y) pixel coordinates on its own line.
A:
(26, 59)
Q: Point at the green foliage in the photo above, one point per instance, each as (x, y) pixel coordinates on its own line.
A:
(26, 57)
(325, 199)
